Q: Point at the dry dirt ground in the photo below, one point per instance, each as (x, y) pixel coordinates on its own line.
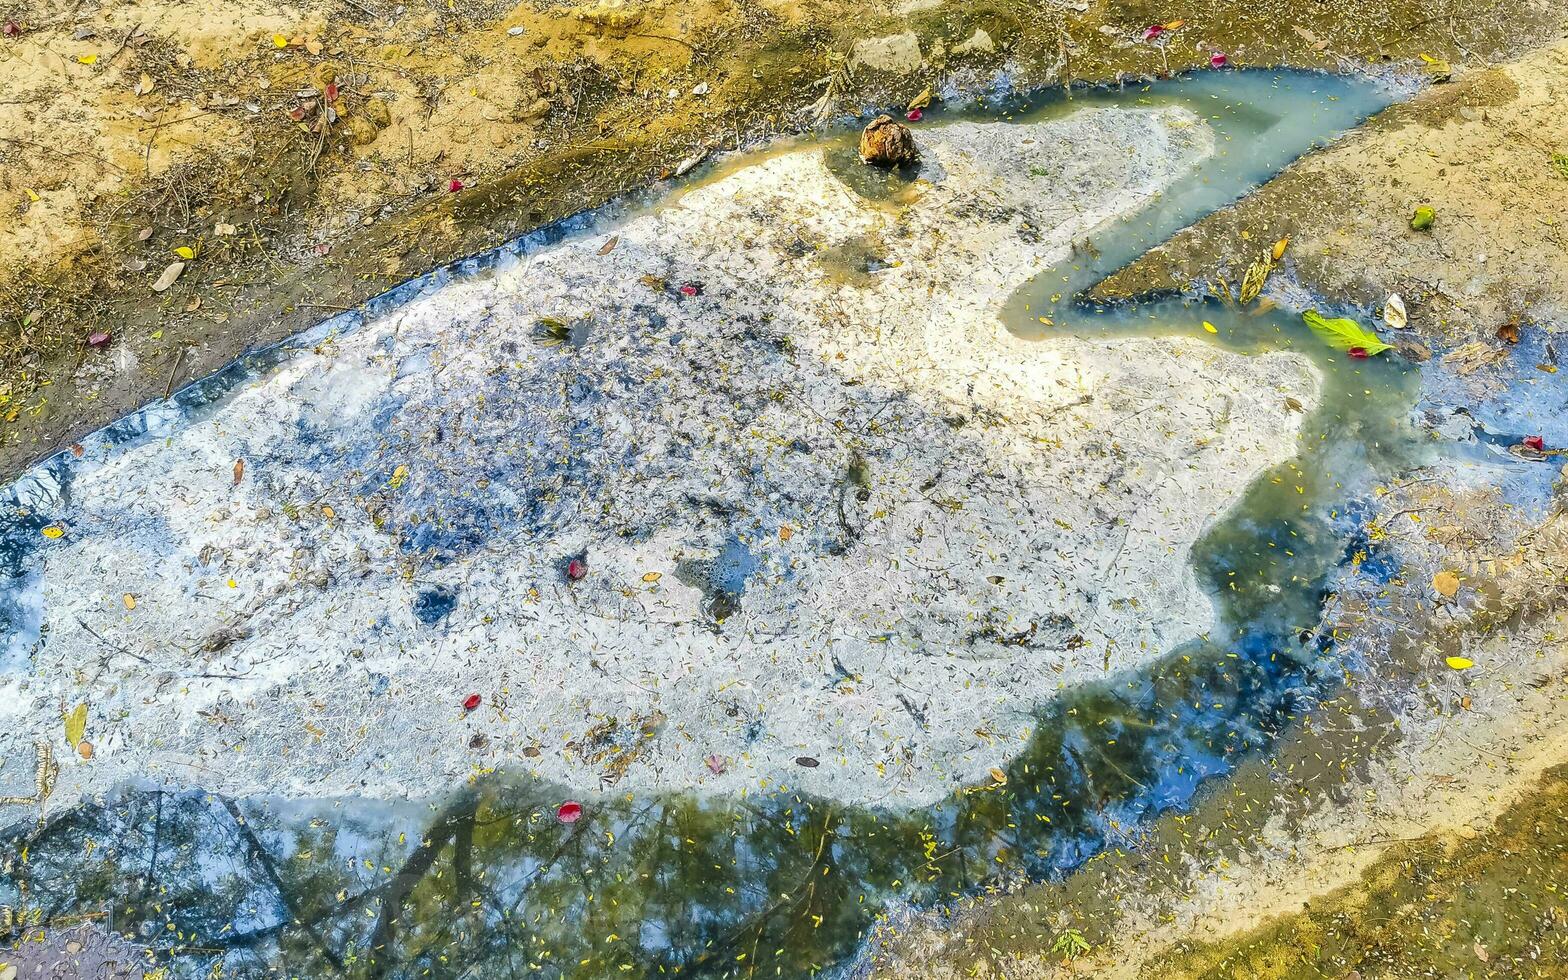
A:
(297, 159)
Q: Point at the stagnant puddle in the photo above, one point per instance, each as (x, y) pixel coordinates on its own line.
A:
(488, 882)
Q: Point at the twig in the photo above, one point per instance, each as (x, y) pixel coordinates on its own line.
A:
(675, 40)
(135, 29)
(179, 359)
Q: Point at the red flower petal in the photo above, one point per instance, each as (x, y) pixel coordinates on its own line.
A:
(332, 91)
(297, 113)
(1153, 31)
(454, 185)
(98, 338)
(576, 569)
(1218, 60)
(913, 115)
(472, 701)
(691, 289)
(569, 811)
(1535, 442)
(1357, 353)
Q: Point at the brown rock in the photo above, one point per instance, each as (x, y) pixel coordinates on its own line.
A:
(887, 143)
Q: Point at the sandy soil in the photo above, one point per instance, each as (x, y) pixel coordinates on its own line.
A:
(120, 118)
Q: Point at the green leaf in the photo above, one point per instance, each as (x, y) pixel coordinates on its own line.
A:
(1344, 334)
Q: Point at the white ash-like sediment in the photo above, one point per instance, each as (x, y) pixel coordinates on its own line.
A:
(843, 516)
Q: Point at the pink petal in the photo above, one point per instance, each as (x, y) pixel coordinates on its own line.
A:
(1153, 31)
(472, 701)
(99, 338)
(454, 185)
(715, 763)
(913, 115)
(1357, 353)
(1218, 60)
(576, 569)
(569, 812)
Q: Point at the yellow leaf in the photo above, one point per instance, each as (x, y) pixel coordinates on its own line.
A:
(279, 41)
(1175, 25)
(53, 531)
(653, 576)
(1446, 584)
(32, 195)
(129, 600)
(1279, 248)
(75, 724)
(998, 776)
(87, 59)
(185, 252)
(399, 475)
(1460, 663)
(1209, 327)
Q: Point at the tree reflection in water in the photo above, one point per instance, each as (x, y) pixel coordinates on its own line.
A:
(492, 884)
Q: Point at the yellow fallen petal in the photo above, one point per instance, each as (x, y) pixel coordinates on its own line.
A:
(185, 252)
(75, 724)
(129, 600)
(653, 576)
(1209, 327)
(53, 531)
(279, 41)
(1279, 248)
(1460, 663)
(87, 59)
(998, 776)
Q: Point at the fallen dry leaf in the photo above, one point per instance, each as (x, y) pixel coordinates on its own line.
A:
(1446, 584)
(166, 278)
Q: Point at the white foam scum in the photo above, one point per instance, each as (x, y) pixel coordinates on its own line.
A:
(949, 525)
